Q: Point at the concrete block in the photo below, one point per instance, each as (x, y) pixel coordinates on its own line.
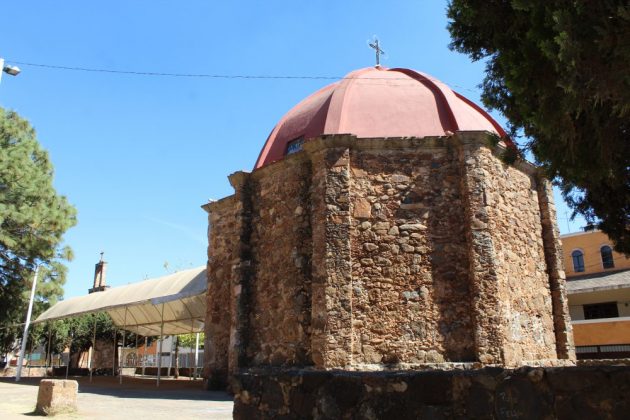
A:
(57, 396)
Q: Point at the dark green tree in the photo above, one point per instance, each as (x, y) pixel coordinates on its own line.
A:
(33, 218)
(78, 333)
(560, 72)
(189, 340)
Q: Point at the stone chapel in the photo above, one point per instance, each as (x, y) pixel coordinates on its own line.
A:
(382, 229)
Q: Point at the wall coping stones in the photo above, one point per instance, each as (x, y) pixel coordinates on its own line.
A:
(351, 141)
(424, 367)
(225, 202)
(561, 392)
(482, 138)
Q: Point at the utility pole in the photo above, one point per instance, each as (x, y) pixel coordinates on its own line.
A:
(18, 375)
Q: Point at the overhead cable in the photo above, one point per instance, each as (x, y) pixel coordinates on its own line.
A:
(213, 76)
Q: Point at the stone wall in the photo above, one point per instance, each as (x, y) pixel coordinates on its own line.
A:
(280, 305)
(11, 371)
(332, 271)
(409, 254)
(102, 356)
(365, 253)
(504, 199)
(601, 392)
(565, 347)
(259, 264)
(223, 259)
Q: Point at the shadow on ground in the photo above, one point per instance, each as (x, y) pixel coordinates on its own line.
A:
(134, 387)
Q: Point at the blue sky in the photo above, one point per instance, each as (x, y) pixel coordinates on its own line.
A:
(138, 155)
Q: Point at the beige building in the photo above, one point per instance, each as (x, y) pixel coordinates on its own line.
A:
(404, 243)
(598, 286)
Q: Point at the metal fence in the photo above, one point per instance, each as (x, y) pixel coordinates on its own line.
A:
(603, 348)
(186, 359)
(610, 351)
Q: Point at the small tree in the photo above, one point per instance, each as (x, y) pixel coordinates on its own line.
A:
(189, 340)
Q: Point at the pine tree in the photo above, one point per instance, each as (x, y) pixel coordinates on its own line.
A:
(33, 218)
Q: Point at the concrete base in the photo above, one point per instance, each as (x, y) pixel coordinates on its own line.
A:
(57, 396)
(489, 393)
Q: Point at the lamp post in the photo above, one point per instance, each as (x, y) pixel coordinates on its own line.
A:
(18, 374)
(12, 70)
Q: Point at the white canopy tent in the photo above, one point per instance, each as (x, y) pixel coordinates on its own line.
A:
(170, 305)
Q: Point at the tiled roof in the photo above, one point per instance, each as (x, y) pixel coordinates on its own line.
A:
(599, 281)
(378, 102)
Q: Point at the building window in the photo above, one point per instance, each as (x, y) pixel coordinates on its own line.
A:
(295, 145)
(601, 310)
(607, 257)
(578, 261)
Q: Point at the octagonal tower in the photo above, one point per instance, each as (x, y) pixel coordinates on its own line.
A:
(381, 227)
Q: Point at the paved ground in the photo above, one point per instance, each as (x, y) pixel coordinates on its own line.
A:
(136, 398)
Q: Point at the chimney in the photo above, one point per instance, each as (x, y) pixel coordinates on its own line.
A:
(100, 270)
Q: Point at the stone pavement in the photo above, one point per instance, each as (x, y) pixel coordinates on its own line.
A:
(104, 398)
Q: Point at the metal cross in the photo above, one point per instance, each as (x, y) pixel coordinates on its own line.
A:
(102, 252)
(378, 50)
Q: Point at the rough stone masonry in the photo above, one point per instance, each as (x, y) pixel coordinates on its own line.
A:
(372, 254)
(56, 396)
(587, 392)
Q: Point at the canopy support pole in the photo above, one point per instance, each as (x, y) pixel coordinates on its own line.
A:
(196, 354)
(29, 360)
(144, 355)
(135, 366)
(69, 353)
(192, 329)
(48, 355)
(161, 340)
(93, 347)
(18, 374)
(157, 352)
(170, 359)
(121, 359)
(114, 353)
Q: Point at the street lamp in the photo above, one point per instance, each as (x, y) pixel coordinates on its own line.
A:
(8, 69)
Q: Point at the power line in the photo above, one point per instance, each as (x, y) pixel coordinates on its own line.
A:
(216, 76)
(153, 73)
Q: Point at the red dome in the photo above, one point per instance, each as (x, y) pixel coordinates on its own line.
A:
(378, 102)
